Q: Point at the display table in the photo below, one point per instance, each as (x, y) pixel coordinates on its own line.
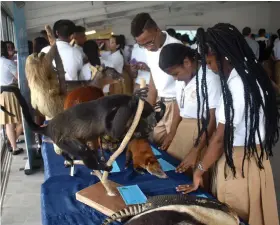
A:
(58, 202)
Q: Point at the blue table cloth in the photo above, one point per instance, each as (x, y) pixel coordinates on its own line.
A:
(58, 202)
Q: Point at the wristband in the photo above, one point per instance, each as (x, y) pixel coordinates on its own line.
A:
(200, 167)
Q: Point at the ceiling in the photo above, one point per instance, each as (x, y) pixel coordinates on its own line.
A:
(99, 14)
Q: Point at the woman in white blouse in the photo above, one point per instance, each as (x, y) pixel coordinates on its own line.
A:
(8, 100)
(247, 128)
(182, 63)
(114, 60)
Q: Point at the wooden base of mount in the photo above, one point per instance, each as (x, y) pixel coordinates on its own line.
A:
(96, 197)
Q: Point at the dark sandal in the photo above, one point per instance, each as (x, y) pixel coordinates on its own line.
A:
(18, 151)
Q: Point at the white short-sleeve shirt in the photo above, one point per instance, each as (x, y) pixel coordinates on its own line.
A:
(71, 57)
(164, 83)
(8, 71)
(80, 50)
(114, 60)
(139, 55)
(236, 88)
(187, 98)
(85, 73)
(276, 50)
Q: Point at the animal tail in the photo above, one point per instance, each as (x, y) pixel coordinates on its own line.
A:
(25, 109)
(130, 211)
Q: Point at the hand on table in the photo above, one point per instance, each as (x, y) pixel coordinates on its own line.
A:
(187, 188)
(188, 161)
(167, 141)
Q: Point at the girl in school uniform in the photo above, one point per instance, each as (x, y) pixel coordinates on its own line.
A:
(13, 124)
(182, 63)
(116, 61)
(247, 128)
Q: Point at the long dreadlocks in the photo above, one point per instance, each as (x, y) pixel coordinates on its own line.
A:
(226, 42)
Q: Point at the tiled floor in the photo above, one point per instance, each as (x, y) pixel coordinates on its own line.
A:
(22, 201)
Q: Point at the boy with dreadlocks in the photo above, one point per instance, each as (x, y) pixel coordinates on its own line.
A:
(247, 128)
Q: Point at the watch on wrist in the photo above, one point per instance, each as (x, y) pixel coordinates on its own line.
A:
(200, 167)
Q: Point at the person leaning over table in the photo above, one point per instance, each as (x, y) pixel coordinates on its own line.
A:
(247, 128)
(162, 86)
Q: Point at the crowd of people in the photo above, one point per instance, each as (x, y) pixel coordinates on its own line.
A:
(220, 91)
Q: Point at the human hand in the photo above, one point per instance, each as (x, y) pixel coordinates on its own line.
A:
(187, 188)
(167, 141)
(188, 161)
(134, 68)
(143, 66)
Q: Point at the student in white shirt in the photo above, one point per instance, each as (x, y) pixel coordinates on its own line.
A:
(114, 60)
(252, 43)
(138, 65)
(247, 129)
(71, 57)
(162, 86)
(9, 77)
(276, 53)
(80, 38)
(181, 62)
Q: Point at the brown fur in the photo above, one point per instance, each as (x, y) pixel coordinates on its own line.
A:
(140, 151)
(44, 86)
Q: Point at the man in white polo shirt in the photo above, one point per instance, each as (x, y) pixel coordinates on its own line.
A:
(71, 57)
(162, 86)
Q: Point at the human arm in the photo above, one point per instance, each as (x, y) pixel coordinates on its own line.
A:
(152, 94)
(190, 158)
(175, 123)
(212, 154)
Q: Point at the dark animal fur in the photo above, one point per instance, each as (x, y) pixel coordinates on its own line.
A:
(71, 129)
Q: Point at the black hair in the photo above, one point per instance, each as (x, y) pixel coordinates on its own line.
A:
(10, 42)
(261, 32)
(171, 32)
(225, 41)
(178, 36)
(80, 29)
(39, 44)
(186, 38)
(122, 41)
(4, 50)
(63, 28)
(43, 33)
(30, 47)
(246, 31)
(91, 50)
(174, 54)
(142, 22)
(119, 41)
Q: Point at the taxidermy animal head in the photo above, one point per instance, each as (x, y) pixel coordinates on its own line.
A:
(102, 76)
(177, 210)
(150, 117)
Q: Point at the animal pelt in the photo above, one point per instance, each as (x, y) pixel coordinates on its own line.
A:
(140, 152)
(43, 83)
(177, 210)
(71, 129)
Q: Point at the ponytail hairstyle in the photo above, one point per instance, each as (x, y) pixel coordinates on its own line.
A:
(226, 42)
(119, 41)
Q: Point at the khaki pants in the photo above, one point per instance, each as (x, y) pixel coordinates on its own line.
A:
(184, 139)
(252, 197)
(164, 126)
